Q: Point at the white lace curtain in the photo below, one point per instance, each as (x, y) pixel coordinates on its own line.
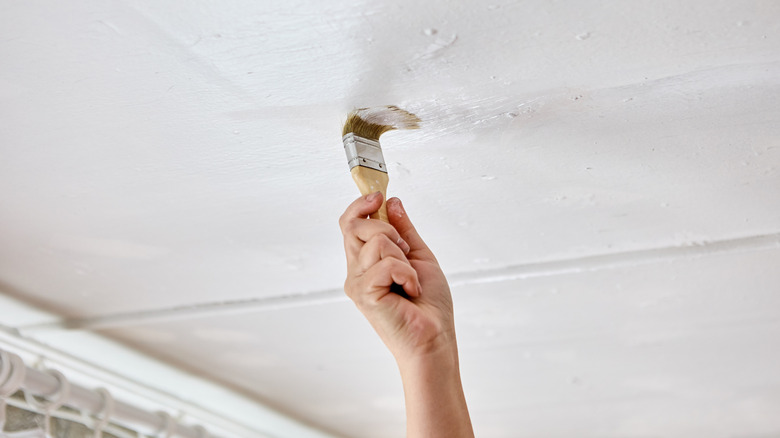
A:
(24, 423)
(44, 404)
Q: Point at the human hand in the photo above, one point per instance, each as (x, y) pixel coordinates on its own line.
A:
(418, 327)
(381, 254)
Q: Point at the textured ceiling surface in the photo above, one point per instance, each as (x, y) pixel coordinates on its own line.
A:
(599, 180)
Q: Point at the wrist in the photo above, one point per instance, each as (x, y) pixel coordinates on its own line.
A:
(441, 356)
(442, 349)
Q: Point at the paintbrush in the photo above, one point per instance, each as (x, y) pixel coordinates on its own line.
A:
(361, 134)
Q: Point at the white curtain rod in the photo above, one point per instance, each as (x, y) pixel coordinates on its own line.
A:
(52, 386)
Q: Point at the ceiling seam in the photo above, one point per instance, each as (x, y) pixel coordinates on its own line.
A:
(590, 263)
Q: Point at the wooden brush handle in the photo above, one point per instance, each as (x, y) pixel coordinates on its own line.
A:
(370, 181)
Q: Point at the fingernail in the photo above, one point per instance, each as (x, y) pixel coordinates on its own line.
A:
(372, 197)
(404, 246)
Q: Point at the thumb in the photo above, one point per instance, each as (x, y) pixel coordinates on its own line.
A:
(400, 220)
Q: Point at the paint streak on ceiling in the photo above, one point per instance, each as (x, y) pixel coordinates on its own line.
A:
(600, 180)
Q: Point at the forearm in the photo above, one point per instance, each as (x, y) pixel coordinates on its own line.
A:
(435, 403)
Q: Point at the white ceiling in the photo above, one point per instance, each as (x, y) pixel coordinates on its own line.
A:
(599, 179)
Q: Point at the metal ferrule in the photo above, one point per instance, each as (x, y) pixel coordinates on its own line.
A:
(364, 152)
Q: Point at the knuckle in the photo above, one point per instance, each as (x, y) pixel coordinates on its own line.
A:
(393, 265)
(351, 289)
(383, 268)
(372, 245)
(390, 231)
(348, 226)
(387, 263)
(382, 241)
(343, 221)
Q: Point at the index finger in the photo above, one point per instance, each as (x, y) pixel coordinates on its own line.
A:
(361, 208)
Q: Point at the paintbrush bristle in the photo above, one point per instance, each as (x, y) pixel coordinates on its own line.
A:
(370, 123)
